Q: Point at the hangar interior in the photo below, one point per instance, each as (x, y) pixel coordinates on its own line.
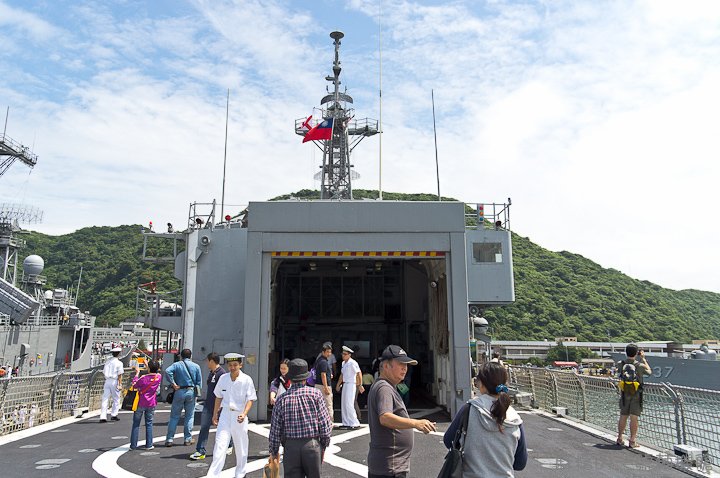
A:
(365, 303)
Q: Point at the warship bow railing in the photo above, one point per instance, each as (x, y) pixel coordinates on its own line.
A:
(26, 402)
(672, 415)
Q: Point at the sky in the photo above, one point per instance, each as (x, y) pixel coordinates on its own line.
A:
(598, 118)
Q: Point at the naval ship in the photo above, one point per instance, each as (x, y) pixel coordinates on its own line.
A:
(698, 369)
(42, 330)
(277, 279)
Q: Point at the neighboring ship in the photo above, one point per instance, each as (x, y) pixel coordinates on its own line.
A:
(699, 369)
(41, 329)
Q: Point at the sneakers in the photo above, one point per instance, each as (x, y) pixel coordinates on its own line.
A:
(168, 444)
(151, 447)
(229, 451)
(102, 420)
(115, 419)
(189, 442)
(197, 456)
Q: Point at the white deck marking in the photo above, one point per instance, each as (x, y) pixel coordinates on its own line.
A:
(45, 427)
(88, 450)
(30, 446)
(51, 463)
(107, 464)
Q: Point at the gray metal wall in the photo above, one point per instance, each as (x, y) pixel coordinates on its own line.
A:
(353, 226)
(228, 280)
(219, 291)
(490, 283)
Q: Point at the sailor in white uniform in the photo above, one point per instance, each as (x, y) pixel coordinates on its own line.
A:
(234, 396)
(351, 382)
(113, 372)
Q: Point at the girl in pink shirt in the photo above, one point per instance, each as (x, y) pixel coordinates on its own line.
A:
(147, 387)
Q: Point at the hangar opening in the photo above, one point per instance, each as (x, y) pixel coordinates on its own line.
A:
(365, 303)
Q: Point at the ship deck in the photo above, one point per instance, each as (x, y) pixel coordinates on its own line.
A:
(84, 448)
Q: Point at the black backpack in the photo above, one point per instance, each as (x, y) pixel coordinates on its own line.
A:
(629, 380)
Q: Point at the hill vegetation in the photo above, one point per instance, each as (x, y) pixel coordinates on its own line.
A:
(557, 293)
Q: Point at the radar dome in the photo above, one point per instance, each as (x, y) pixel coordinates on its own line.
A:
(33, 265)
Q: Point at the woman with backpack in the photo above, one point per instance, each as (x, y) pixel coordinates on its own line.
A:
(146, 387)
(494, 445)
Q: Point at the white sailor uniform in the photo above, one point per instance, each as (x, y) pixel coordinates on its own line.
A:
(350, 369)
(111, 370)
(234, 395)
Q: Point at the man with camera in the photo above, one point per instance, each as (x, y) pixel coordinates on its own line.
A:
(631, 372)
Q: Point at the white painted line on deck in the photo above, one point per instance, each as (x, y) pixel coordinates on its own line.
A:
(45, 427)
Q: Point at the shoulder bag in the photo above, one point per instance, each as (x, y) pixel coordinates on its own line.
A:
(452, 467)
(196, 388)
(132, 397)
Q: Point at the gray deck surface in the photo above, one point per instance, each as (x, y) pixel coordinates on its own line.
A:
(555, 450)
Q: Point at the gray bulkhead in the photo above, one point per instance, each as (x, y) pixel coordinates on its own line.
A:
(230, 278)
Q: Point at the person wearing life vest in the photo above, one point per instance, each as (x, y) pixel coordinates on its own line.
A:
(631, 372)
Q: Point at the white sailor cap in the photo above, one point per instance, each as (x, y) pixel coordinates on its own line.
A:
(232, 357)
(348, 350)
(116, 349)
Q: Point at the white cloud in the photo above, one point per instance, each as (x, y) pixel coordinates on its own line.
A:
(598, 119)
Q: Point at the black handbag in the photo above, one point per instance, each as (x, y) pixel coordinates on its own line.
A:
(452, 467)
(169, 397)
(130, 401)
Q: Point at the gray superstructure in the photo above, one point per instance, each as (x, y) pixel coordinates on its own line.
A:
(286, 276)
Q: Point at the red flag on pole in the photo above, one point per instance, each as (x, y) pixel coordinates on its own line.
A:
(322, 130)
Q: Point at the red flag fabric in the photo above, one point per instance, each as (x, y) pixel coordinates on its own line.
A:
(322, 130)
(306, 123)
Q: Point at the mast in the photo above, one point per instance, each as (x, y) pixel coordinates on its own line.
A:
(336, 173)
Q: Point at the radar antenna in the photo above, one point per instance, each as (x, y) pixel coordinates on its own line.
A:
(11, 215)
(11, 151)
(336, 173)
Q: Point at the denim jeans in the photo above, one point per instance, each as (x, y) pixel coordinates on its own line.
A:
(205, 424)
(137, 416)
(184, 399)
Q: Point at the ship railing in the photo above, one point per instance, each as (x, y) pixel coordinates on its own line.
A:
(488, 215)
(26, 402)
(672, 415)
(201, 215)
(20, 150)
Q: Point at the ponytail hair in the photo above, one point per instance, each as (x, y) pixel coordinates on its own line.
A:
(493, 377)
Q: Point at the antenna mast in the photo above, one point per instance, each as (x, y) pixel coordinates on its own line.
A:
(336, 173)
(227, 116)
(11, 215)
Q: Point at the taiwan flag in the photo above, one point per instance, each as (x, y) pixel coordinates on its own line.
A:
(322, 130)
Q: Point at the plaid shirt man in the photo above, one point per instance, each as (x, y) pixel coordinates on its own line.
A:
(300, 413)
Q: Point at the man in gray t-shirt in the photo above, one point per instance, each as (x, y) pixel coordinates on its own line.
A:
(391, 428)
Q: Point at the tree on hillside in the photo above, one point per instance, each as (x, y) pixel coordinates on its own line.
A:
(562, 353)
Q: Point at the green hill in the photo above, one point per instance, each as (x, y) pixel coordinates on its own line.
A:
(557, 293)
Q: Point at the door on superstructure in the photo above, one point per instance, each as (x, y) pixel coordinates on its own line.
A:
(366, 304)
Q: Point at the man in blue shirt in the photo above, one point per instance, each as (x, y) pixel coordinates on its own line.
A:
(184, 376)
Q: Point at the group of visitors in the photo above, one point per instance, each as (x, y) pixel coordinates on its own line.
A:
(301, 421)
